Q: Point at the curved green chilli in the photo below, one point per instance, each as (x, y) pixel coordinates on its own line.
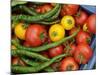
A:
(44, 47)
(35, 64)
(39, 17)
(47, 23)
(30, 62)
(25, 69)
(16, 52)
(29, 11)
(54, 16)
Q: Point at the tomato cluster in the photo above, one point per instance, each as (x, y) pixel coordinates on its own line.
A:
(71, 18)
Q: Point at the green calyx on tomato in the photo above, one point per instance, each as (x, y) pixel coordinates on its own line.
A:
(42, 36)
(54, 34)
(69, 21)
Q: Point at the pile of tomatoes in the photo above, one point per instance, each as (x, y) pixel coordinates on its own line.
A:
(78, 48)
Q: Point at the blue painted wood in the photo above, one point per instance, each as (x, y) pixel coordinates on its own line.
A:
(90, 9)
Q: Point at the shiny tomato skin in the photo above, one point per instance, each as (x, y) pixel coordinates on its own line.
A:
(69, 9)
(55, 51)
(81, 18)
(68, 63)
(83, 53)
(91, 23)
(36, 35)
(83, 37)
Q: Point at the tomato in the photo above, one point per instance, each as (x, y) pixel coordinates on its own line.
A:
(20, 31)
(14, 60)
(45, 53)
(68, 22)
(68, 64)
(55, 51)
(17, 61)
(83, 37)
(81, 18)
(69, 9)
(70, 49)
(56, 32)
(44, 8)
(91, 23)
(73, 30)
(36, 35)
(26, 44)
(83, 53)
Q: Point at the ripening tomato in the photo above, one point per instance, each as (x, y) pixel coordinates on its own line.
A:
(68, 22)
(56, 32)
(91, 23)
(20, 31)
(83, 37)
(36, 35)
(69, 9)
(55, 51)
(83, 53)
(68, 64)
(81, 18)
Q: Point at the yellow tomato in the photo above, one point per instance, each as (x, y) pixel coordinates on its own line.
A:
(68, 22)
(20, 31)
(56, 32)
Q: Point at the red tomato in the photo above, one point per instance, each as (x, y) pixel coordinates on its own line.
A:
(81, 18)
(44, 8)
(73, 30)
(83, 37)
(68, 64)
(71, 49)
(56, 51)
(83, 53)
(45, 53)
(91, 23)
(15, 60)
(36, 35)
(26, 44)
(69, 9)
